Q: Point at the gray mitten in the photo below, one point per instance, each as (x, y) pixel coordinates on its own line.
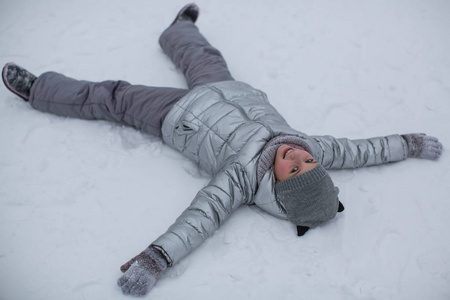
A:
(142, 272)
(424, 146)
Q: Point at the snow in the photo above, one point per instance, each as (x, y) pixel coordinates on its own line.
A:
(79, 198)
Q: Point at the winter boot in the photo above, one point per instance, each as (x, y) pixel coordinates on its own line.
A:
(18, 80)
(188, 13)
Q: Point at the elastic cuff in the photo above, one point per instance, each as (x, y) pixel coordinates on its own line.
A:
(164, 253)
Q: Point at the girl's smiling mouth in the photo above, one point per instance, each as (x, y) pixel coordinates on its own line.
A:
(286, 152)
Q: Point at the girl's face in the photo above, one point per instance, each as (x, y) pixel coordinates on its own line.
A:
(290, 162)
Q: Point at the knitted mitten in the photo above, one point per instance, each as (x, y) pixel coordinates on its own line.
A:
(18, 80)
(424, 146)
(142, 272)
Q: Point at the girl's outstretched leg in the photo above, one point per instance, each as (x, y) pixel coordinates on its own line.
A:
(139, 106)
(200, 62)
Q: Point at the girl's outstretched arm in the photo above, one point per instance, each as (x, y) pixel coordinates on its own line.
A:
(213, 204)
(343, 153)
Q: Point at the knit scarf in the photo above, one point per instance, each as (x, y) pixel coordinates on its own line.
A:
(267, 158)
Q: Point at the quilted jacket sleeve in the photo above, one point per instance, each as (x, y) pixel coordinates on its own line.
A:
(209, 209)
(343, 153)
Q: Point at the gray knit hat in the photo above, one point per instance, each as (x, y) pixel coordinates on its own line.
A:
(309, 198)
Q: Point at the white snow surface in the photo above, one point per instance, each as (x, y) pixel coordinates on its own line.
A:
(79, 198)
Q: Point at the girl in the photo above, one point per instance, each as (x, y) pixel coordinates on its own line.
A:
(231, 131)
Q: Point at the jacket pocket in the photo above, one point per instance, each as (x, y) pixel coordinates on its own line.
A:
(185, 128)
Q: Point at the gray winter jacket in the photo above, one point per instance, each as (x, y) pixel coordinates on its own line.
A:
(223, 127)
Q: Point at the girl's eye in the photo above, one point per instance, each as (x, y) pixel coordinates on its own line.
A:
(294, 170)
(310, 161)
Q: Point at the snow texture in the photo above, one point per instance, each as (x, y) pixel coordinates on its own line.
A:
(80, 198)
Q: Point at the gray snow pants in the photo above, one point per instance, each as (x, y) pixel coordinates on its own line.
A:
(142, 107)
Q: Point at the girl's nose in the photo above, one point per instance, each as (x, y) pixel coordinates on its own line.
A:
(301, 155)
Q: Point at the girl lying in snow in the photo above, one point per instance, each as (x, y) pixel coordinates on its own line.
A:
(231, 131)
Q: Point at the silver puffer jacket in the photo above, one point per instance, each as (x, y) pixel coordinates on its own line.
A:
(223, 127)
